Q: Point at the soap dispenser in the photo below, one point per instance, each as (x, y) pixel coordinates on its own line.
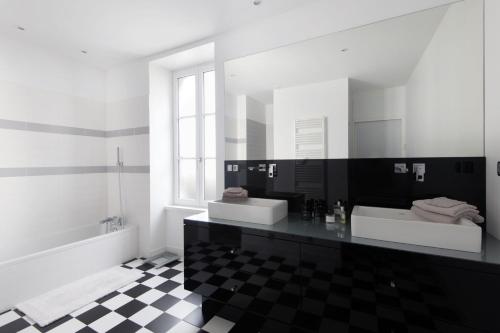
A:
(337, 210)
(343, 219)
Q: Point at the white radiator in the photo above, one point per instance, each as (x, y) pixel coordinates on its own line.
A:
(310, 138)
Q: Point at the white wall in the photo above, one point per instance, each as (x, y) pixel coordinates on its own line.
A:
(378, 118)
(325, 99)
(269, 132)
(256, 130)
(379, 104)
(38, 86)
(127, 106)
(161, 153)
(241, 142)
(174, 219)
(452, 66)
(492, 101)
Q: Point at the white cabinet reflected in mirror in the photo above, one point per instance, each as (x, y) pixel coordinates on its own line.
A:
(411, 86)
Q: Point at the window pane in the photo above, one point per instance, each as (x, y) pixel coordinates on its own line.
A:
(187, 179)
(210, 136)
(187, 96)
(209, 91)
(187, 137)
(210, 179)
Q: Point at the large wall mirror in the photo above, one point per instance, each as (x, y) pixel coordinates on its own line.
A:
(411, 86)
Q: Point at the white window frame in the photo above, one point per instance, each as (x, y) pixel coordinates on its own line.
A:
(198, 71)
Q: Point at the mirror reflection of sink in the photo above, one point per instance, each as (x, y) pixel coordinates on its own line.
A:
(403, 226)
(254, 210)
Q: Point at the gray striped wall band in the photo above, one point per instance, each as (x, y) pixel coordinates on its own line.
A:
(75, 170)
(59, 129)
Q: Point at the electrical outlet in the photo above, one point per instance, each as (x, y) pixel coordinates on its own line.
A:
(235, 167)
(229, 167)
(400, 168)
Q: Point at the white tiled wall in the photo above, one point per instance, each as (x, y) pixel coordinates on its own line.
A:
(37, 149)
(47, 204)
(135, 149)
(43, 105)
(39, 87)
(127, 113)
(127, 106)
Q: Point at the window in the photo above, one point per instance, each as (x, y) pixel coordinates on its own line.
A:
(195, 136)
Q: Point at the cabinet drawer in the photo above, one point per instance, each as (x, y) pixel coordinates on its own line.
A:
(383, 290)
(209, 251)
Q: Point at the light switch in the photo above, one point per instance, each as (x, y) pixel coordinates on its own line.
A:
(229, 167)
(272, 171)
(235, 167)
(419, 171)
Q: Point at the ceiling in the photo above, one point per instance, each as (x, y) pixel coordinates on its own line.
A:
(383, 54)
(202, 54)
(116, 31)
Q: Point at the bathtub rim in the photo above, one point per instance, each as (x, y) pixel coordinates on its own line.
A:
(61, 248)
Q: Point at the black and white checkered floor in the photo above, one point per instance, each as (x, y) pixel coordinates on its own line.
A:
(155, 303)
(158, 302)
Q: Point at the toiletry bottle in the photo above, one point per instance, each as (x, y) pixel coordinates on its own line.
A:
(330, 215)
(336, 210)
(342, 215)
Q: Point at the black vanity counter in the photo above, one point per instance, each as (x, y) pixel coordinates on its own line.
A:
(294, 227)
(316, 276)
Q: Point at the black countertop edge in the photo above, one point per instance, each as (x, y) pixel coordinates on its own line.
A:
(295, 228)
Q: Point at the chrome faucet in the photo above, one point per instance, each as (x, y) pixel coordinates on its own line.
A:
(113, 223)
(106, 220)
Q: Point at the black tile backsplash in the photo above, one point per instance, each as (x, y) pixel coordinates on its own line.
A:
(363, 181)
(296, 180)
(373, 181)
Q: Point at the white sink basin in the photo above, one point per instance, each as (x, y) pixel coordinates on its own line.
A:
(254, 210)
(403, 226)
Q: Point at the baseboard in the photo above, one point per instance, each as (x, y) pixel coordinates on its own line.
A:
(176, 250)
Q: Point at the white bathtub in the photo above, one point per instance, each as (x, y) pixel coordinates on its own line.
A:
(48, 262)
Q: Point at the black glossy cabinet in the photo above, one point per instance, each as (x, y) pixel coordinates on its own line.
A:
(250, 272)
(380, 290)
(323, 286)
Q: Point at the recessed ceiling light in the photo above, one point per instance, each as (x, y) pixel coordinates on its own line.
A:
(344, 50)
(257, 2)
(20, 28)
(84, 51)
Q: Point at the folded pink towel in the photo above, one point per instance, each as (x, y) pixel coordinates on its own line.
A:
(444, 202)
(476, 218)
(433, 217)
(235, 192)
(439, 218)
(445, 206)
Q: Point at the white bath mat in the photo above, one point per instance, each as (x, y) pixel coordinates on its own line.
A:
(57, 303)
